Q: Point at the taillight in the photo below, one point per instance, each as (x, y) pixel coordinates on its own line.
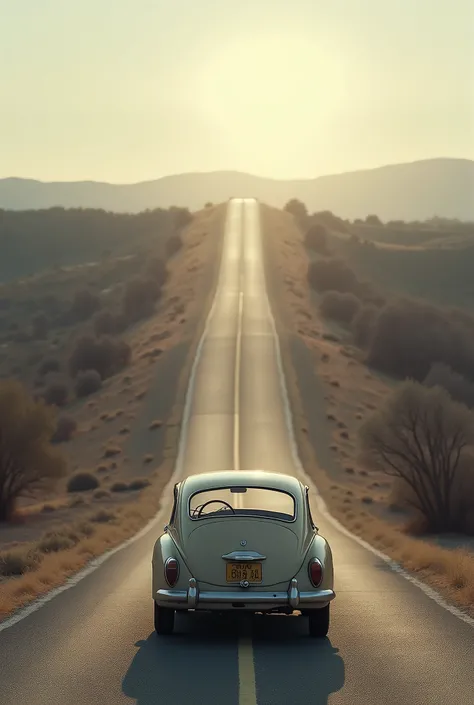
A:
(171, 571)
(315, 570)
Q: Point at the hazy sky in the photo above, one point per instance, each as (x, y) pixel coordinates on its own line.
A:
(129, 90)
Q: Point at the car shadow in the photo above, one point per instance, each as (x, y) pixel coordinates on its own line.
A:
(292, 667)
(199, 662)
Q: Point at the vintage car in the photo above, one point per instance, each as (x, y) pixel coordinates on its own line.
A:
(242, 540)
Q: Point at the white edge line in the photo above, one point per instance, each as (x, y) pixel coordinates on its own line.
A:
(34, 606)
(321, 504)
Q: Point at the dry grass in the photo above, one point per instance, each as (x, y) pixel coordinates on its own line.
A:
(358, 499)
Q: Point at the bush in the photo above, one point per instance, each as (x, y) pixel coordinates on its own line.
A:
(56, 394)
(107, 356)
(65, 428)
(332, 274)
(87, 382)
(139, 298)
(49, 365)
(54, 542)
(457, 386)
(82, 482)
(28, 461)
(104, 323)
(420, 437)
(363, 324)
(17, 562)
(119, 487)
(173, 244)
(297, 209)
(409, 336)
(156, 269)
(102, 516)
(40, 324)
(316, 239)
(338, 306)
(139, 484)
(84, 304)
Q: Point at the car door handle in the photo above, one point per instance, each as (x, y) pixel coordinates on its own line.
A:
(244, 556)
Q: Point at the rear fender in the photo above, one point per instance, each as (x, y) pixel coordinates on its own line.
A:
(165, 547)
(320, 549)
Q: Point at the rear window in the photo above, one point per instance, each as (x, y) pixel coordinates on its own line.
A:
(242, 501)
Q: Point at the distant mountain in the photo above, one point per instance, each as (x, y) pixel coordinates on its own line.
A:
(415, 191)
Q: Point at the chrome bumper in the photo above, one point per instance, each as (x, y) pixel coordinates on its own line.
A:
(193, 598)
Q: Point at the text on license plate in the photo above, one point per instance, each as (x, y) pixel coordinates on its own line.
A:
(235, 572)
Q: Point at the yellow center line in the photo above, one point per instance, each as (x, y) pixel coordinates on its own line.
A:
(247, 686)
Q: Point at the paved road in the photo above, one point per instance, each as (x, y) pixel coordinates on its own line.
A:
(94, 644)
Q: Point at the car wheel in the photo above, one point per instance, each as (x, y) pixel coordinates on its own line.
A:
(319, 622)
(164, 620)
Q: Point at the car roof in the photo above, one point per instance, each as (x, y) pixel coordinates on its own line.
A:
(248, 478)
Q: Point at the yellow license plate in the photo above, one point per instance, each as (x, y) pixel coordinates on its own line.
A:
(235, 572)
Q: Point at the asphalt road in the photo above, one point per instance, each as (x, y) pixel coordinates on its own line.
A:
(94, 643)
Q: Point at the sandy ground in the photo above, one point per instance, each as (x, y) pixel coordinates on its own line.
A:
(130, 428)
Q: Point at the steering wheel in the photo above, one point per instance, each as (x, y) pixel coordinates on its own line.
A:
(214, 501)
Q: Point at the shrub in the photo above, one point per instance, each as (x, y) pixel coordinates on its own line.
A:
(297, 209)
(420, 437)
(101, 494)
(40, 325)
(409, 336)
(102, 516)
(173, 244)
(56, 394)
(139, 298)
(119, 487)
(65, 428)
(112, 451)
(104, 323)
(156, 270)
(139, 484)
(82, 482)
(49, 365)
(54, 542)
(17, 562)
(107, 356)
(28, 462)
(457, 386)
(87, 382)
(332, 274)
(84, 304)
(316, 239)
(363, 324)
(339, 306)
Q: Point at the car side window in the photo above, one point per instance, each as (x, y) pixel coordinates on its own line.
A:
(175, 502)
(309, 509)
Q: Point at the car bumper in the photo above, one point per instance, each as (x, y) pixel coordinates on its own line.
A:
(193, 598)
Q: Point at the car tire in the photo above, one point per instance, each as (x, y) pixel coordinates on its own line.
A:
(164, 620)
(319, 622)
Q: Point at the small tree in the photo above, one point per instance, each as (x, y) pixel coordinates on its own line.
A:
(421, 437)
(28, 461)
(85, 303)
(297, 209)
(316, 239)
(373, 220)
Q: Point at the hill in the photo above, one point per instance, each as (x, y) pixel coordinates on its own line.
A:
(414, 191)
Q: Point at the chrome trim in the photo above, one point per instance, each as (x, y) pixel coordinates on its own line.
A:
(171, 558)
(244, 556)
(193, 598)
(315, 560)
(192, 594)
(293, 594)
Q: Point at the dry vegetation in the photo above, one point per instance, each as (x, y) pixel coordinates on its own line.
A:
(392, 458)
(98, 400)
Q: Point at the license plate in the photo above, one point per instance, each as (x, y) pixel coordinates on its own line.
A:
(235, 572)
